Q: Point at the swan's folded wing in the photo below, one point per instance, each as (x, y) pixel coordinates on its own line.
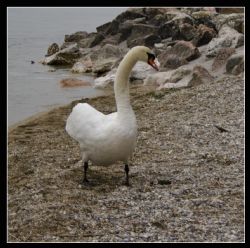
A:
(83, 121)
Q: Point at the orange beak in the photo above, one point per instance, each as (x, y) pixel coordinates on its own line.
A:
(154, 63)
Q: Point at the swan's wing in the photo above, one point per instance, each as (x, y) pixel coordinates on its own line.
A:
(83, 121)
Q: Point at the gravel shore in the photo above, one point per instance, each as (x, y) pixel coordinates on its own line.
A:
(187, 173)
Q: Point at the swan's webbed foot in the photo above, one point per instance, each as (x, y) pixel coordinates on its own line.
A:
(127, 177)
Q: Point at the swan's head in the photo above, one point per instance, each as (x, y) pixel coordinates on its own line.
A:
(146, 55)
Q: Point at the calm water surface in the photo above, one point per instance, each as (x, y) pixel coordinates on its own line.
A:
(32, 88)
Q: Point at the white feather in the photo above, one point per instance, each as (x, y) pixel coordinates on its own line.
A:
(105, 139)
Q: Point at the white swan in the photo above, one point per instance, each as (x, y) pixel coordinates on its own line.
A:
(105, 139)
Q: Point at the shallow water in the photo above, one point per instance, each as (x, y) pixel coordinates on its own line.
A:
(33, 88)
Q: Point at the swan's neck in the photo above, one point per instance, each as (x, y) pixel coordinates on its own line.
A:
(121, 86)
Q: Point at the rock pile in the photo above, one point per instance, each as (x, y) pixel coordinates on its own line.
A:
(184, 39)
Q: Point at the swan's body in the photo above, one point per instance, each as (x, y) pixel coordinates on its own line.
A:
(105, 139)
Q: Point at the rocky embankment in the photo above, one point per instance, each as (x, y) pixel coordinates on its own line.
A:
(193, 45)
(187, 172)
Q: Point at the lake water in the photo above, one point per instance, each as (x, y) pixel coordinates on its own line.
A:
(32, 88)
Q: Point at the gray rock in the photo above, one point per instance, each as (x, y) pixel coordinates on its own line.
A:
(96, 40)
(171, 28)
(91, 41)
(103, 28)
(148, 40)
(200, 75)
(111, 39)
(179, 78)
(66, 56)
(102, 60)
(227, 37)
(235, 64)
(168, 29)
(75, 37)
(179, 74)
(204, 17)
(102, 82)
(187, 31)
(158, 19)
(107, 51)
(103, 65)
(179, 54)
(112, 28)
(221, 57)
(139, 30)
(235, 21)
(82, 67)
(129, 14)
(203, 35)
(125, 28)
(52, 49)
(171, 61)
(134, 21)
(67, 44)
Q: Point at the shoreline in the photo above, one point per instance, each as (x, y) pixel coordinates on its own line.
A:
(40, 114)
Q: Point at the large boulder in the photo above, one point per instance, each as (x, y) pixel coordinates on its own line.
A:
(75, 37)
(203, 35)
(91, 41)
(67, 44)
(103, 65)
(148, 40)
(96, 40)
(111, 39)
(139, 30)
(125, 28)
(205, 17)
(102, 60)
(187, 31)
(52, 49)
(235, 21)
(179, 54)
(182, 77)
(112, 28)
(66, 56)
(158, 20)
(171, 79)
(82, 66)
(227, 37)
(103, 28)
(171, 61)
(200, 76)
(171, 28)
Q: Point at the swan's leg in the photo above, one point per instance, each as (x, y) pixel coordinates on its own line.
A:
(85, 166)
(126, 171)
